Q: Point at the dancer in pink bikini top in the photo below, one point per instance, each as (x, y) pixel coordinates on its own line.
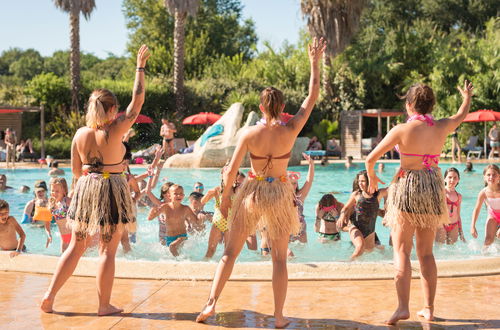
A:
(416, 202)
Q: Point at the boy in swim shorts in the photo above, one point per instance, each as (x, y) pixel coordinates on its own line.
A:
(178, 217)
(8, 230)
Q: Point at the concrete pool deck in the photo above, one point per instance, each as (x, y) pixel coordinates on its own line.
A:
(461, 303)
(247, 271)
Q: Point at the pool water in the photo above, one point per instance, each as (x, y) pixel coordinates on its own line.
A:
(332, 178)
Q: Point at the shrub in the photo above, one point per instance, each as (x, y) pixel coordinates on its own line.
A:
(58, 147)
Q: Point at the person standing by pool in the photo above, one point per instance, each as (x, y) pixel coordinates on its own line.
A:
(416, 203)
(491, 196)
(101, 197)
(494, 136)
(10, 148)
(366, 209)
(455, 146)
(449, 233)
(266, 197)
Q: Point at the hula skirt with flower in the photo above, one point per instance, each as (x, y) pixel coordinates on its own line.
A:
(100, 203)
(417, 197)
(266, 203)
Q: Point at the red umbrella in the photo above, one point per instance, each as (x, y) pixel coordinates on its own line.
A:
(202, 118)
(141, 119)
(482, 116)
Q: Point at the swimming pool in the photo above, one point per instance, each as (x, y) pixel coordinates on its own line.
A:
(327, 179)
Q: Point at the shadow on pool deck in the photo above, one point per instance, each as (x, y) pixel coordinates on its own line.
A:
(461, 303)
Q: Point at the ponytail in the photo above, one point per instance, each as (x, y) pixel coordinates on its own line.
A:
(272, 100)
(100, 103)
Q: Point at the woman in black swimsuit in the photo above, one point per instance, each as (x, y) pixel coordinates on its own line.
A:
(361, 227)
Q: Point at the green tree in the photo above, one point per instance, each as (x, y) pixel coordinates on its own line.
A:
(335, 20)
(7, 58)
(28, 65)
(58, 63)
(74, 8)
(218, 29)
(180, 9)
(49, 90)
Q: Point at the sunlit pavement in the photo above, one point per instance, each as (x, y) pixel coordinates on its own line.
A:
(461, 303)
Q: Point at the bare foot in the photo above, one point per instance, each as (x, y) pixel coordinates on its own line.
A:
(109, 310)
(46, 304)
(208, 311)
(281, 322)
(398, 315)
(427, 313)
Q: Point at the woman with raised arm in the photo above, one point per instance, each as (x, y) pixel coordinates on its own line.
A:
(265, 199)
(101, 200)
(416, 202)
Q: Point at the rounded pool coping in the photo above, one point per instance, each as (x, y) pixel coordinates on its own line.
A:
(248, 271)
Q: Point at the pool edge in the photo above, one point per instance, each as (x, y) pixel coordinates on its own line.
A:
(248, 271)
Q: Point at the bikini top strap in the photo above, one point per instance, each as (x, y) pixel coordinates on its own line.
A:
(269, 163)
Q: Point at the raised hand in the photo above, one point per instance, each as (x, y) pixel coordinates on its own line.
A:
(308, 158)
(142, 56)
(467, 91)
(316, 49)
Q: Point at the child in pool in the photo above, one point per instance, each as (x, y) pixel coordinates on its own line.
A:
(178, 217)
(366, 209)
(491, 197)
(40, 193)
(220, 225)
(58, 205)
(8, 229)
(327, 213)
(449, 233)
(197, 206)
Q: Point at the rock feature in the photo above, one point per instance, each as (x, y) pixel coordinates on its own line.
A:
(219, 149)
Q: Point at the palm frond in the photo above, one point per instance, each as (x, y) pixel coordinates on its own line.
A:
(335, 20)
(184, 6)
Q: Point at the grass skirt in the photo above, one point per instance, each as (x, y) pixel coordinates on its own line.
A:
(266, 205)
(100, 203)
(417, 197)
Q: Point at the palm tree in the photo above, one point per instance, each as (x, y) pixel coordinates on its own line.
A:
(74, 8)
(180, 9)
(335, 20)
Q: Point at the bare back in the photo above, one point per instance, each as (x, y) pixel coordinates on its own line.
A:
(276, 141)
(98, 149)
(418, 138)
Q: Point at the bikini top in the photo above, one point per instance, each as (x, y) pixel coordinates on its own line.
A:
(427, 160)
(328, 216)
(269, 163)
(61, 211)
(455, 203)
(97, 164)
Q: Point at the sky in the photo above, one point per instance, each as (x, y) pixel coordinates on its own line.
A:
(40, 25)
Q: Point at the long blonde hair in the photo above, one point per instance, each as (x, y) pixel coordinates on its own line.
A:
(101, 101)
